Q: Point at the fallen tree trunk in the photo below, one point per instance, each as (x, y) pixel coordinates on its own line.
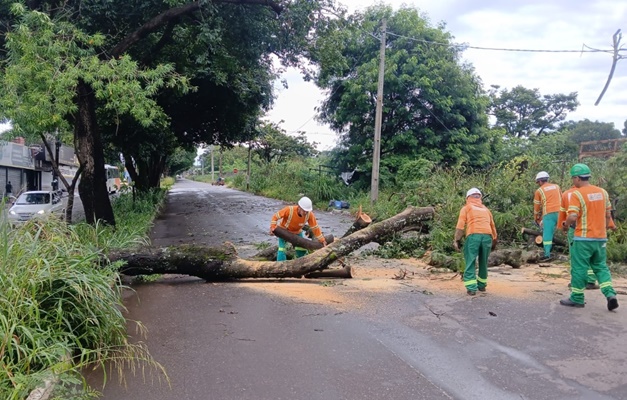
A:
(512, 257)
(222, 263)
(346, 273)
(362, 221)
(538, 234)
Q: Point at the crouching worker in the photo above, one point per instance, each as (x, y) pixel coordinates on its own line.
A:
(480, 240)
(294, 218)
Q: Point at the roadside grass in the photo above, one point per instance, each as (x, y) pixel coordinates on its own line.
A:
(60, 304)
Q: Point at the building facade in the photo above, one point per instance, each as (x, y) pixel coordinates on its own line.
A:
(30, 168)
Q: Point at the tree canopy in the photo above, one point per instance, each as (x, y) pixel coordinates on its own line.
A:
(273, 144)
(141, 76)
(524, 112)
(433, 106)
(586, 130)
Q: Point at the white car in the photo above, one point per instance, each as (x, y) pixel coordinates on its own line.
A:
(36, 204)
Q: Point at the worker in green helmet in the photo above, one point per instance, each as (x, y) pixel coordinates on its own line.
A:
(589, 211)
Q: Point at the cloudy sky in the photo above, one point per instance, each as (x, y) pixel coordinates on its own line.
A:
(513, 24)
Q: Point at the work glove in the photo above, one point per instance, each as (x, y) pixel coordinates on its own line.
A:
(494, 242)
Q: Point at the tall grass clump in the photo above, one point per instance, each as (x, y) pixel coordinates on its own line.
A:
(292, 179)
(60, 303)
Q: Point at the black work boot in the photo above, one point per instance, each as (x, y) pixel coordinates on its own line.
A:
(471, 292)
(570, 303)
(482, 289)
(547, 259)
(591, 286)
(612, 303)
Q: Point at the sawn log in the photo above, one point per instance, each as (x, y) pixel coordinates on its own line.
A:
(536, 234)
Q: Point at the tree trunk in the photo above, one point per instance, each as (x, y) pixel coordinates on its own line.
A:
(155, 169)
(342, 273)
(142, 181)
(536, 234)
(362, 221)
(222, 263)
(512, 257)
(299, 241)
(92, 188)
(269, 254)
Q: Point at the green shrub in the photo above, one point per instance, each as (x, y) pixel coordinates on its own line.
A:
(60, 299)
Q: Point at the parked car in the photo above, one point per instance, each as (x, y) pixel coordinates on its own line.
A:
(36, 204)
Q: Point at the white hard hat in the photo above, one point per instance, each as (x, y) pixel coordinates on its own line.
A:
(473, 191)
(542, 175)
(305, 203)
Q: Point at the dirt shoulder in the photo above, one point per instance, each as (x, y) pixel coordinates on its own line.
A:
(374, 275)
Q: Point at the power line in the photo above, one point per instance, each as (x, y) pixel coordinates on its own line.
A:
(587, 49)
(352, 69)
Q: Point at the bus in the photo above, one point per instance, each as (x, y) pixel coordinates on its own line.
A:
(113, 178)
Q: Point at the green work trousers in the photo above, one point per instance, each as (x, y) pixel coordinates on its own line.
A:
(591, 278)
(282, 254)
(549, 223)
(477, 246)
(587, 254)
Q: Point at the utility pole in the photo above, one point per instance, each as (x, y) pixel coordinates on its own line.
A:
(250, 147)
(212, 176)
(374, 191)
(202, 163)
(220, 163)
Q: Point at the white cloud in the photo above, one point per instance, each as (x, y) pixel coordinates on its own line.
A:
(528, 24)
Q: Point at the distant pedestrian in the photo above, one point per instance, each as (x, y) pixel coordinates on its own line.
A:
(589, 209)
(8, 189)
(476, 221)
(546, 206)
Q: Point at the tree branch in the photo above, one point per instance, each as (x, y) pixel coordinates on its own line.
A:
(616, 42)
(173, 13)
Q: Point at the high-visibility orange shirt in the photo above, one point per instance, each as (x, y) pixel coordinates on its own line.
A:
(476, 218)
(290, 220)
(547, 199)
(564, 206)
(591, 204)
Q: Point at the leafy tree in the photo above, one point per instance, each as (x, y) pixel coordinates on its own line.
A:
(275, 145)
(219, 44)
(433, 107)
(524, 112)
(52, 81)
(182, 160)
(586, 130)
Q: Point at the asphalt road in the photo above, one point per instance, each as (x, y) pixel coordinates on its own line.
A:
(231, 341)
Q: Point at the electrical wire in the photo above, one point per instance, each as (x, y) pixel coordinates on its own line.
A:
(467, 46)
(585, 49)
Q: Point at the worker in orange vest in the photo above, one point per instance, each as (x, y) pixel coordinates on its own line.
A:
(480, 240)
(547, 201)
(591, 282)
(294, 218)
(589, 210)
